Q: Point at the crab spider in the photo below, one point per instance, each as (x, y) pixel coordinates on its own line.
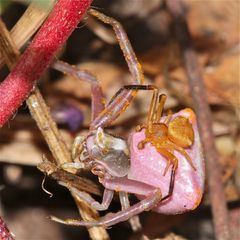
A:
(137, 166)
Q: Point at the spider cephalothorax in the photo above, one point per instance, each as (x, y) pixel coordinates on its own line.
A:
(104, 154)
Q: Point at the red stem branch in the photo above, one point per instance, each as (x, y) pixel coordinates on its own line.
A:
(5, 234)
(63, 19)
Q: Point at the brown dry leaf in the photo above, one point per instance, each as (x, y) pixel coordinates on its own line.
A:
(139, 8)
(231, 193)
(31, 223)
(107, 74)
(111, 78)
(237, 170)
(217, 21)
(234, 215)
(153, 229)
(222, 81)
(225, 145)
(23, 143)
(170, 236)
(158, 59)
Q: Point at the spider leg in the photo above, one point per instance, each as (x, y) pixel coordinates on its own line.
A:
(162, 100)
(125, 45)
(121, 101)
(110, 219)
(100, 30)
(106, 200)
(98, 100)
(77, 146)
(134, 221)
(171, 159)
(132, 87)
(171, 185)
(168, 118)
(184, 153)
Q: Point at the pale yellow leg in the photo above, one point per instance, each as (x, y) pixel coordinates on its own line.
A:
(184, 153)
(171, 159)
(152, 110)
(77, 146)
(168, 118)
(172, 146)
(162, 100)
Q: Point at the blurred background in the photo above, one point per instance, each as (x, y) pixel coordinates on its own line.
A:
(214, 26)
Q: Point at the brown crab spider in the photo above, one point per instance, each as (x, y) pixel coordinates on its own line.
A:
(110, 158)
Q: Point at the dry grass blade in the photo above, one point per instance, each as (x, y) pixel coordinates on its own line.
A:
(40, 113)
(71, 179)
(48, 128)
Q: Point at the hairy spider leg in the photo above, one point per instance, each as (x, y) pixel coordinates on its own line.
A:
(97, 97)
(121, 102)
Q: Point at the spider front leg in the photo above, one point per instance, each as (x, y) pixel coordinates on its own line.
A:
(120, 101)
(78, 151)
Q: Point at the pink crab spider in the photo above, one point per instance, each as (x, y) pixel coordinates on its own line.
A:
(139, 165)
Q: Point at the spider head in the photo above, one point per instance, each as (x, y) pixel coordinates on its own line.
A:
(157, 132)
(107, 155)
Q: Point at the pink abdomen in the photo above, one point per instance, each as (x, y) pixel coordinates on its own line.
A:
(147, 166)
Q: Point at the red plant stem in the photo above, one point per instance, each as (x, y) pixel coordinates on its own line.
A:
(5, 234)
(63, 19)
(198, 91)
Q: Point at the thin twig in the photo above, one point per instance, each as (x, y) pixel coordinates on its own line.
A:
(72, 180)
(46, 124)
(198, 91)
(48, 128)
